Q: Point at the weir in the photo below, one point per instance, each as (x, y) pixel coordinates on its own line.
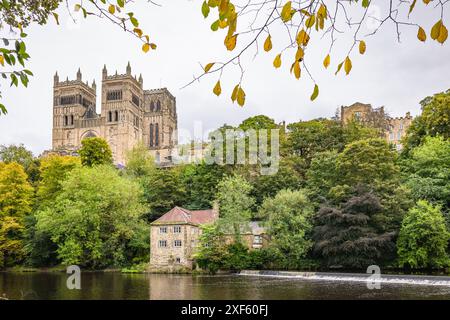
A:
(351, 277)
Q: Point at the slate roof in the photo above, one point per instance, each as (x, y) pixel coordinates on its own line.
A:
(182, 215)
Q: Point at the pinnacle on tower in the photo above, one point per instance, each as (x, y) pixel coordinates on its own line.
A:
(104, 72)
(141, 81)
(56, 78)
(79, 75)
(94, 86)
(128, 68)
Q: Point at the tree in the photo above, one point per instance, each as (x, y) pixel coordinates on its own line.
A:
(423, 238)
(22, 156)
(211, 251)
(351, 235)
(200, 182)
(288, 219)
(434, 121)
(140, 162)
(16, 193)
(54, 170)
(95, 218)
(95, 151)
(233, 197)
(15, 203)
(163, 189)
(427, 171)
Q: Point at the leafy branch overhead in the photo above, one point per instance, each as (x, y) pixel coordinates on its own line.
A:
(304, 22)
(16, 16)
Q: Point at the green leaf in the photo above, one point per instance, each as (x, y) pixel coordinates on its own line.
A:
(315, 92)
(205, 9)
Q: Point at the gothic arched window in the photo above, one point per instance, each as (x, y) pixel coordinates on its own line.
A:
(156, 134)
(116, 115)
(152, 106)
(158, 105)
(71, 120)
(109, 116)
(151, 135)
(66, 120)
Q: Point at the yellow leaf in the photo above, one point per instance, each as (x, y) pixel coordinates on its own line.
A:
(326, 61)
(208, 66)
(153, 46)
(315, 92)
(138, 32)
(111, 9)
(436, 30)
(310, 21)
(302, 38)
(297, 70)
(277, 61)
(426, 1)
(2, 60)
(146, 47)
(230, 42)
(217, 89)
(286, 13)
(223, 24)
(299, 54)
(362, 47)
(348, 65)
(443, 34)
(234, 93)
(421, 35)
(240, 97)
(268, 44)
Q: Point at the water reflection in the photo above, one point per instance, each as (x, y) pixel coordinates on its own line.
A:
(178, 287)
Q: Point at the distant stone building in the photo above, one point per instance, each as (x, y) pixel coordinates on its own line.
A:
(129, 114)
(392, 129)
(174, 237)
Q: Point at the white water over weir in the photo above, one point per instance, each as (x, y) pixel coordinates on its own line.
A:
(351, 277)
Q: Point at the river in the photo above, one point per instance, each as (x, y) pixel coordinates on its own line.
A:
(99, 285)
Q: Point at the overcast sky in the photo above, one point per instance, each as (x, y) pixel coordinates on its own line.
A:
(396, 75)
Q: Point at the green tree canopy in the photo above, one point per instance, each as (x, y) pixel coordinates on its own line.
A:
(434, 121)
(95, 151)
(423, 238)
(428, 171)
(235, 202)
(95, 218)
(54, 170)
(22, 156)
(288, 219)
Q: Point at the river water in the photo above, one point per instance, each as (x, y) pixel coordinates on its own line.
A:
(162, 286)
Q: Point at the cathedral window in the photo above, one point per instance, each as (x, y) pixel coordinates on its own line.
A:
(158, 106)
(71, 120)
(109, 116)
(114, 95)
(156, 134)
(135, 99)
(65, 100)
(151, 135)
(66, 120)
(116, 115)
(152, 106)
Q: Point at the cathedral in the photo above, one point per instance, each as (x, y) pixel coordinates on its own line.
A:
(129, 114)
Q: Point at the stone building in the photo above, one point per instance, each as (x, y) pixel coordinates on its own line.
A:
(128, 114)
(392, 129)
(174, 237)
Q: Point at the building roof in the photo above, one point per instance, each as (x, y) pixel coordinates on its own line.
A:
(182, 215)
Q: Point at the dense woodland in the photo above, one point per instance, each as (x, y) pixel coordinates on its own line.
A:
(342, 198)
